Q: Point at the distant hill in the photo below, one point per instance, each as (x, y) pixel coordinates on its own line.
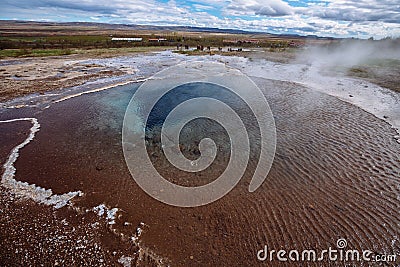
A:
(125, 26)
(5, 24)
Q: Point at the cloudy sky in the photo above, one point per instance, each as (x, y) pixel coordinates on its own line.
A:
(339, 18)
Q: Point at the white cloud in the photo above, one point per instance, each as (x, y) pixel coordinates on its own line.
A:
(200, 7)
(361, 10)
(259, 7)
(343, 18)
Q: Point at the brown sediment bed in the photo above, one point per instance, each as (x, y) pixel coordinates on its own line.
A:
(36, 235)
(336, 175)
(33, 234)
(11, 135)
(28, 76)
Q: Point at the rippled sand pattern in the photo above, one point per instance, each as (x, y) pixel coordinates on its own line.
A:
(336, 175)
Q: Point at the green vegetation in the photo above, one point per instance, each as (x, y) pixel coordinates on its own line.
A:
(63, 44)
(92, 52)
(383, 72)
(68, 42)
(194, 52)
(359, 72)
(395, 63)
(33, 52)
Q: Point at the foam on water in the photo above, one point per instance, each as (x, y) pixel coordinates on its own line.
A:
(109, 213)
(31, 191)
(97, 90)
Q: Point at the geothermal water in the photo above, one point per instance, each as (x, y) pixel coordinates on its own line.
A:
(336, 172)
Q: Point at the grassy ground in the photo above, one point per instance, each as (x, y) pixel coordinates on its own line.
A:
(282, 55)
(20, 53)
(33, 52)
(385, 73)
